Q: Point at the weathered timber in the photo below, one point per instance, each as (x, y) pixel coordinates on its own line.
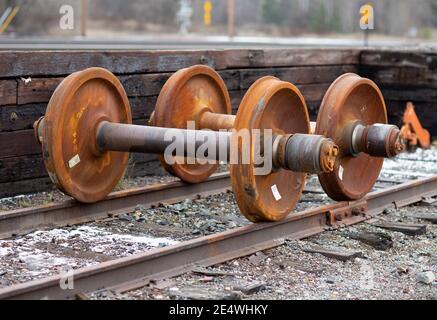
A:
(138, 85)
(37, 90)
(62, 63)
(431, 217)
(405, 228)
(18, 143)
(379, 241)
(31, 176)
(265, 58)
(404, 75)
(399, 58)
(13, 118)
(401, 76)
(338, 254)
(406, 93)
(297, 75)
(428, 202)
(145, 168)
(32, 167)
(249, 288)
(8, 92)
(212, 272)
(142, 107)
(22, 168)
(313, 92)
(9, 189)
(40, 90)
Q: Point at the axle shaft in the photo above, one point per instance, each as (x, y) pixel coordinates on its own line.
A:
(155, 140)
(216, 121)
(298, 152)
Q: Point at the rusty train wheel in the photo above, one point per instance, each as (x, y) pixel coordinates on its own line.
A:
(349, 99)
(277, 105)
(70, 154)
(185, 96)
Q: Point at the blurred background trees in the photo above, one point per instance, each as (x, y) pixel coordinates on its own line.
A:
(253, 17)
(272, 12)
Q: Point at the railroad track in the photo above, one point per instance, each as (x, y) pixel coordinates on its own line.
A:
(66, 213)
(59, 214)
(136, 271)
(133, 272)
(21, 221)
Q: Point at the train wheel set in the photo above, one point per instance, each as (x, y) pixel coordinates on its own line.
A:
(87, 135)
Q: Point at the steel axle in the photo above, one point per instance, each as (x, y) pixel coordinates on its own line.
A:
(298, 152)
(216, 121)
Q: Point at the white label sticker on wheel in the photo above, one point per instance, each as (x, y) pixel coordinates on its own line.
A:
(74, 161)
(276, 193)
(340, 172)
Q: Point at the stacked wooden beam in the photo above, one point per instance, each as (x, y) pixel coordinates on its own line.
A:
(403, 76)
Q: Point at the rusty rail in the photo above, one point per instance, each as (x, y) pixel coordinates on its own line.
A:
(133, 272)
(71, 212)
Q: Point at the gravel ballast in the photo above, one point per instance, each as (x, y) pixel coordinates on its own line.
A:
(405, 271)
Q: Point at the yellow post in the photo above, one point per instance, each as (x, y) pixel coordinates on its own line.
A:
(207, 8)
(9, 19)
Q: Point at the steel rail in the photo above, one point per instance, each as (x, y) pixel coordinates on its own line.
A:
(70, 212)
(133, 272)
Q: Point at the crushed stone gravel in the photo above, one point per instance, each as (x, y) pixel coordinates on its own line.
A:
(286, 272)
